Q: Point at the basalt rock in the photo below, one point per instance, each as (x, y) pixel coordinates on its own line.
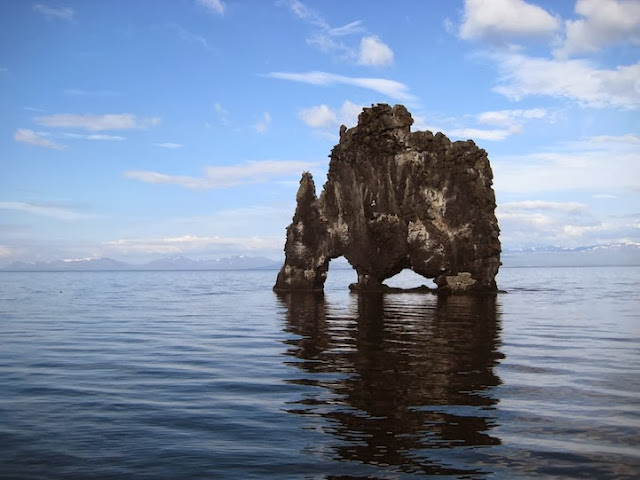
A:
(396, 199)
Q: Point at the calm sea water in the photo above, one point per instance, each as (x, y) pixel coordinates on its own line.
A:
(207, 375)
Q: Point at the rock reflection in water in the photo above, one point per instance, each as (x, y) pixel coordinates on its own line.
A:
(401, 380)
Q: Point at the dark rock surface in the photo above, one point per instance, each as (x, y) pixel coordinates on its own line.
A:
(394, 200)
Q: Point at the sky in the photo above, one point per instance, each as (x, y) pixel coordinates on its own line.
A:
(150, 129)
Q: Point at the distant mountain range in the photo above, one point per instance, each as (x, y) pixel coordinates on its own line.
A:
(597, 255)
(241, 262)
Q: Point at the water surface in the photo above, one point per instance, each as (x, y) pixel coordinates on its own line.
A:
(212, 375)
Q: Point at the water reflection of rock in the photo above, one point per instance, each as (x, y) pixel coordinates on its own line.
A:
(404, 378)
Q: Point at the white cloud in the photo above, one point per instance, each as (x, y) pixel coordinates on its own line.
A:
(214, 6)
(54, 13)
(5, 251)
(389, 88)
(374, 52)
(320, 116)
(59, 213)
(349, 113)
(603, 22)
(324, 117)
(578, 80)
(420, 124)
(499, 20)
(169, 145)
(25, 135)
(529, 219)
(264, 123)
(226, 176)
(192, 243)
(120, 121)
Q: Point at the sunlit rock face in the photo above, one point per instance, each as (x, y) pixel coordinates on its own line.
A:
(397, 199)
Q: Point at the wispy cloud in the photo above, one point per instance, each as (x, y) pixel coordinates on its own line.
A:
(303, 12)
(24, 135)
(528, 205)
(222, 113)
(76, 92)
(189, 36)
(511, 122)
(54, 13)
(629, 139)
(583, 168)
(578, 80)
(50, 211)
(193, 183)
(389, 88)
(371, 50)
(350, 28)
(226, 176)
(169, 145)
(509, 118)
(540, 222)
(213, 6)
(91, 122)
(481, 134)
(94, 136)
(263, 123)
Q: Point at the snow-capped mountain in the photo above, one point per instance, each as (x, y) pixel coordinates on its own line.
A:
(593, 255)
(72, 264)
(241, 262)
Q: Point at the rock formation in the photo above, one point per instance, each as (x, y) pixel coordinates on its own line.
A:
(396, 199)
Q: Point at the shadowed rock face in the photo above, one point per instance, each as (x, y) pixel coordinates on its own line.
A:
(394, 200)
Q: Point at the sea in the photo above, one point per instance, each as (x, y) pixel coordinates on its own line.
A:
(212, 375)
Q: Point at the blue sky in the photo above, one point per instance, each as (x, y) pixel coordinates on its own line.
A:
(138, 130)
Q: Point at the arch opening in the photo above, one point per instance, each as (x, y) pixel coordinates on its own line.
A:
(340, 275)
(408, 279)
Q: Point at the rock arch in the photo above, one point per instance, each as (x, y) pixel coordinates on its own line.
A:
(396, 199)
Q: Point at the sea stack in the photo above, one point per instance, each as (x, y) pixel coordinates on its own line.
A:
(396, 199)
